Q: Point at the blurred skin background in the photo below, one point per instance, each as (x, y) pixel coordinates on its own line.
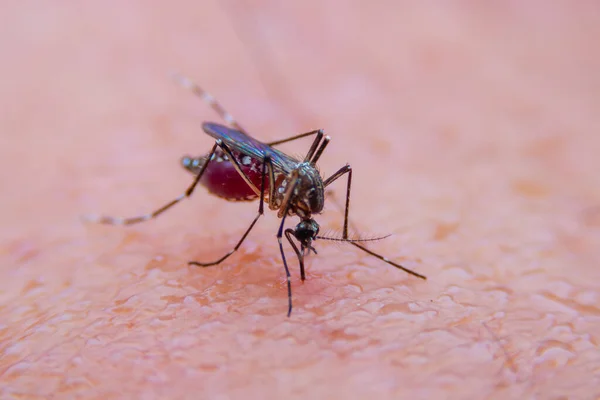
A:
(472, 132)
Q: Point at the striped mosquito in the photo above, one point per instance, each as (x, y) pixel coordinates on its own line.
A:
(241, 168)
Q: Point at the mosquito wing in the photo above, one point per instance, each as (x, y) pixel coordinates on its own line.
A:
(247, 145)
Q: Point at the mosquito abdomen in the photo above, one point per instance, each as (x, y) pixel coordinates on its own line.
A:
(221, 178)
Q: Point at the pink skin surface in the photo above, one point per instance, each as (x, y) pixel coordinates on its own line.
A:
(472, 130)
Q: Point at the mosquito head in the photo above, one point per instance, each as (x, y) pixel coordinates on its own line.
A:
(305, 232)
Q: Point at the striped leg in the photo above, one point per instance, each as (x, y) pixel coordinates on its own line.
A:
(346, 169)
(141, 218)
(209, 99)
(266, 166)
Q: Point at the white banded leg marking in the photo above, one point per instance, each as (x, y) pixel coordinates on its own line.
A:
(209, 99)
(141, 218)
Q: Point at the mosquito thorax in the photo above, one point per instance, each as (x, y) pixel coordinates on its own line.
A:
(309, 195)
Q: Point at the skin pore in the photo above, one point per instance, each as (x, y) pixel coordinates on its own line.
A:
(471, 131)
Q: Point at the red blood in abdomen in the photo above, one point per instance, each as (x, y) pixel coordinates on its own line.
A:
(221, 179)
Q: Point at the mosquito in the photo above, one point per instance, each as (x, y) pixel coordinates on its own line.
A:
(241, 168)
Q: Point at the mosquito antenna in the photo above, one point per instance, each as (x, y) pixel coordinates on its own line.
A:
(358, 240)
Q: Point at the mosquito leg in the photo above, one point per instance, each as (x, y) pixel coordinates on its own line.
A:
(134, 220)
(272, 199)
(289, 233)
(295, 137)
(266, 162)
(348, 170)
(340, 208)
(195, 164)
(287, 270)
(238, 168)
(320, 150)
(283, 211)
(209, 99)
(313, 147)
(227, 117)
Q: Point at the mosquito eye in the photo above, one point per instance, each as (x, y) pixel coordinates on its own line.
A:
(303, 235)
(306, 231)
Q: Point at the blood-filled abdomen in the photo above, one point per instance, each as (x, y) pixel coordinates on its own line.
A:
(222, 179)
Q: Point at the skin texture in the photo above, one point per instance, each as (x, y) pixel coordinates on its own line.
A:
(473, 134)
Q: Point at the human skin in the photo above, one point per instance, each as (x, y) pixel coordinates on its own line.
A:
(472, 132)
